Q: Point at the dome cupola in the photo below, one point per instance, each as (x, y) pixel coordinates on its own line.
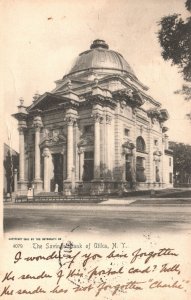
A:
(100, 59)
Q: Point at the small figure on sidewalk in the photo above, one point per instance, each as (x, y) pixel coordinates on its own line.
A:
(56, 188)
(29, 194)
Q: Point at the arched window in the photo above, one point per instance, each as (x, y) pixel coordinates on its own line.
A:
(140, 144)
(140, 169)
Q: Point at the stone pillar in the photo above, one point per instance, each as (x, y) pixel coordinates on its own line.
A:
(37, 124)
(81, 164)
(46, 155)
(97, 118)
(22, 183)
(15, 180)
(76, 156)
(166, 142)
(21, 154)
(37, 153)
(157, 168)
(124, 164)
(69, 182)
(70, 153)
(64, 164)
(108, 146)
(133, 167)
(21, 116)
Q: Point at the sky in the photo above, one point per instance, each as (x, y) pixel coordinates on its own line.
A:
(40, 40)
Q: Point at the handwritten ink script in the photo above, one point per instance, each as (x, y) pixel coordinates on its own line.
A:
(96, 269)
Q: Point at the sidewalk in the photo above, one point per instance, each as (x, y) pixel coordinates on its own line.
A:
(115, 202)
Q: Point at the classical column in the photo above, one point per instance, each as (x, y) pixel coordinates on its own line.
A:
(166, 142)
(37, 153)
(108, 145)
(133, 167)
(81, 162)
(15, 180)
(46, 155)
(157, 175)
(64, 165)
(97, 118)
(70, 153)
(124, 152)
(37, 124)
(76, 156)
(21, 154)
(63, 152)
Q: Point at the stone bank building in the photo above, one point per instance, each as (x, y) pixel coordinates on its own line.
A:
(97, 132)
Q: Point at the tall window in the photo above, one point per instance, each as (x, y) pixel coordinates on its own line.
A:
(140, 174)
(140, 161)
(126, 132)
(140, 144)
(88, 173)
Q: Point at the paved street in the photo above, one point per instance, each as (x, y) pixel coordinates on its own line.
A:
(97, 218)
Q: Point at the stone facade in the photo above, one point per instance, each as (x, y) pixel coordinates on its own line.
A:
(96, 132)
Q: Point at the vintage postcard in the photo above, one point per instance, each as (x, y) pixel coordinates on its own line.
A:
(95, 150)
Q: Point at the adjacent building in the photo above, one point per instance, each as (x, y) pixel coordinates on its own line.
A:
(10, 170)
(97, 132)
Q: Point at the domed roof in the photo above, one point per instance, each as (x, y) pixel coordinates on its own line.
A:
(99, 57)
